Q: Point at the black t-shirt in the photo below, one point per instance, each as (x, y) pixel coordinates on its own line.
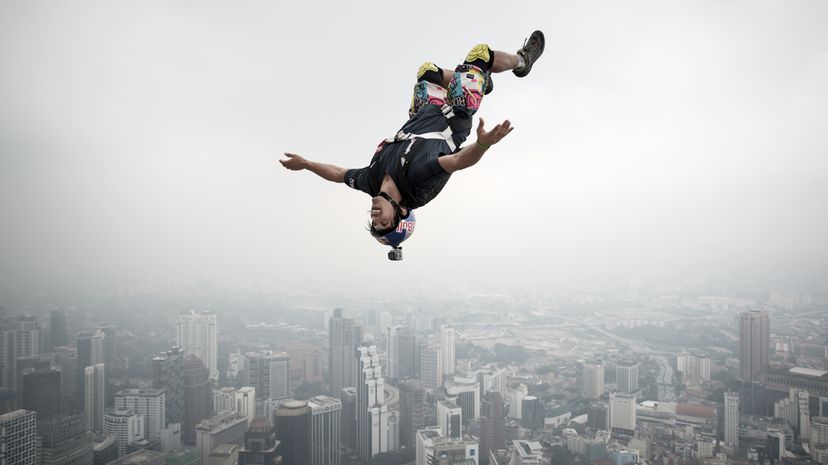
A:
(418, 174)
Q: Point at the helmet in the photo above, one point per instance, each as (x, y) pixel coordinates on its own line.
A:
(405, 228)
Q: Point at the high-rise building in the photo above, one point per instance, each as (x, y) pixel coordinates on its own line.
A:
(371, 411)
(449, 419)
(344, 336)
(819, 439)
(198, 335)
(403, 353)
(171, 437)
(626, 377)
(754, 343)
(393, 352)
(465, 392)
(226, 428)
(324, 430)
(197, 399)
(533, 413)
(241, 401)
(168, 374)
(412, 411)
(42, 393)
(19, 337)
(89, 353)
(291, 422)
(260, 444)
(622, 411)
(307, 363)
(125, 426)
(433, 448)
(493, 379)
(731, 418)
(66, 360)
(58, 329)
(268, 372)
(593, 380)
(447, 345)
(149, 403)
(598, 416)
(64, 440)
(431, 366)
(516, 396)
(492, 424)
(349, 425)
(94, 386)
(18, 438)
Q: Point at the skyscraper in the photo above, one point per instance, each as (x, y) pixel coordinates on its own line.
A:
(492, 424)
(94, 386)
(89, 353)
(348, 430)
(324, 430)
(731, 418)
(168, 374)
(598, 416)
(58, 329)
(465, 392)
(754, 343)
(431, 366)
(41, 393)
(149, 403)
(516, 396)
(226, 428)
(198, 335)
(593, 380)
(622, 411)
(449, 419)
(393, 353)
(64, 440)
(447, 345)
(412, 411)
(626, 377)
(268, 372)
(371, 411)
(344, 335)
(197, 398)
(18, 438)
(291, 422)
(19, 337)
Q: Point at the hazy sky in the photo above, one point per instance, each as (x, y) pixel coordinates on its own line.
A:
(139, 142)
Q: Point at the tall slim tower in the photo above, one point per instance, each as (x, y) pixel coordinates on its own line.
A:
(754, 343)
(269, 373)
(291, 421)
(198, 335)
(94, 385)
(393, 355)
(344, 335)
(58, 329)
(168, 374)
(447, 344)
(412, 411)
(731, 418)
(626, 377)
(197, 398)
(593, 381)
(325, 424)
(371, 411)
(431, 366)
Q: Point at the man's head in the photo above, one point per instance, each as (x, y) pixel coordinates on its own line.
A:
(390, 223)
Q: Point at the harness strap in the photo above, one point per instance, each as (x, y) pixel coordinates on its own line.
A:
(445, 134)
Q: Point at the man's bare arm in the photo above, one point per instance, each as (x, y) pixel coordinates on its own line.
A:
(471, 154)
(296, 162)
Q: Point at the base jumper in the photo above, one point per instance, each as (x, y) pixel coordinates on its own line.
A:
(409, 169)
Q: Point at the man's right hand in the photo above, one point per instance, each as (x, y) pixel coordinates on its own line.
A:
(294, 162)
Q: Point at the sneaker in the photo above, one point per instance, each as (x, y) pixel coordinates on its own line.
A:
(530, 52)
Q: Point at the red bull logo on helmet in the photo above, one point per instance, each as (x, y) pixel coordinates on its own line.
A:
(405, 225)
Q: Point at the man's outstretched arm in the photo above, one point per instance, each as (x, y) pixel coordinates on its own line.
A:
(296, 162)
(471, 154)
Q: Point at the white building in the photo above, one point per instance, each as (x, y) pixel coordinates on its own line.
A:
(593, 380)
(125, 426)
(94, 396)
(371, 411)
(731, 418)
(447, 345)
(230, 400)
(227, 428)
(492, 380)
(465, 392)
(431, 366)
(449, 419)
(149, 403)
(516, 401)
(622, 410)
(626, 377)
(432, 447)
(198, 335)
(526, 453)
(393, 430)
(326, 426)
(171, 437)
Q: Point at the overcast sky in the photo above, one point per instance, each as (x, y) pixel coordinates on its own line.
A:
(659, 140)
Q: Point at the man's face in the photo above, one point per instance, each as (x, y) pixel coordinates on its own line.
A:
(382, 213)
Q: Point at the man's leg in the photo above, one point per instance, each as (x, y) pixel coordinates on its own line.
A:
(430, 88)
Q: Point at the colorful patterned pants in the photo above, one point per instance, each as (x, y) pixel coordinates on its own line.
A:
(467, 86)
